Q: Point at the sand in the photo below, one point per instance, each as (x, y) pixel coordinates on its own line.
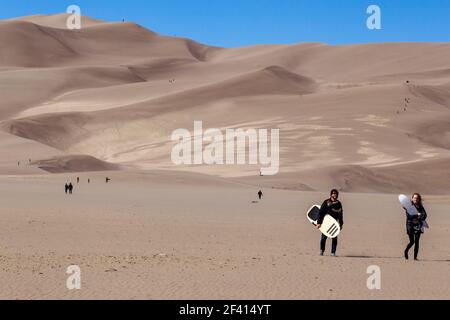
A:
(371, 120)
(182, 236)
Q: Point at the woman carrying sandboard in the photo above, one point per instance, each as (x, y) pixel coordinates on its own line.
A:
(416, 217)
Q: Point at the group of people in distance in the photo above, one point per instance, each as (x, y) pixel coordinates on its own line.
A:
(414, 223)
(69, 186)
(333, 207)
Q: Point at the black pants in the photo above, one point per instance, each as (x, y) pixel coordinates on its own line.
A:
(414, 238)
(323, 242)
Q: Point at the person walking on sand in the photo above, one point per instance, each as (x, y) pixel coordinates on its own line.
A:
(70, 188)
(78, 179)
(108, 180)
(260, 194)
(332, 207)
(66, 188)
(415, 225)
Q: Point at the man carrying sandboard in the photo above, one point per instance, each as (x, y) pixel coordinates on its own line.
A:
(332, 207)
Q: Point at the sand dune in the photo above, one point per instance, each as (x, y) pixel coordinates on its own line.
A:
(439, 94)
(25, 44)
(44, 84)
(116, 91)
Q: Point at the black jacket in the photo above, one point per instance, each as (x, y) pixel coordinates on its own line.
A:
(334, 209)
(416, 220)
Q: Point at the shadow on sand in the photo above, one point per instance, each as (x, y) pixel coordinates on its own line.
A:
(393, 258)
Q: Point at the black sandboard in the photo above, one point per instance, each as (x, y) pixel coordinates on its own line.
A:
(314, 213)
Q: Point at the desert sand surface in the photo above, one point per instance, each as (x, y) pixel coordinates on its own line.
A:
(162, 235)
(372, 120)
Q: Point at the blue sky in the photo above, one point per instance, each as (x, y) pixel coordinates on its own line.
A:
(234, 23)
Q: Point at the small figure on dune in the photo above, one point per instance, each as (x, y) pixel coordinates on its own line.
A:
(89, 180)
(18, 163)
(260, 194)
(108, 180)
(78, 179)
(70, 188)
(66, 188)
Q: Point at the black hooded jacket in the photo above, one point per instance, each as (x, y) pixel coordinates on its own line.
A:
(416, 220)
(334, 209)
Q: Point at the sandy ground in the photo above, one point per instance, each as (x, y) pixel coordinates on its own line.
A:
(183, 236)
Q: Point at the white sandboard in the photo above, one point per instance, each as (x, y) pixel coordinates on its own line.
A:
(408, 205)
(330, 227)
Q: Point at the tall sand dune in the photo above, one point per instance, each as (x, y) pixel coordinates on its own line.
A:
(360, 114)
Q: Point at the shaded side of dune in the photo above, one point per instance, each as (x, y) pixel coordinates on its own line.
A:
(74, 163)
(428, 176)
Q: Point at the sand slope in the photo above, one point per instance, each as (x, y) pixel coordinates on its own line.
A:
(361, 114)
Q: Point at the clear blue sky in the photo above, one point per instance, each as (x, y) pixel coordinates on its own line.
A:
(233, 23)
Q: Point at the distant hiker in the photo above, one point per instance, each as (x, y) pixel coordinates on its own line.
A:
(78, 179)
(260, 194)
(70, 188)
(415, 225)
(18, 163)
(89, 180)
(108, 179)
(332, 207)
(66, 188)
